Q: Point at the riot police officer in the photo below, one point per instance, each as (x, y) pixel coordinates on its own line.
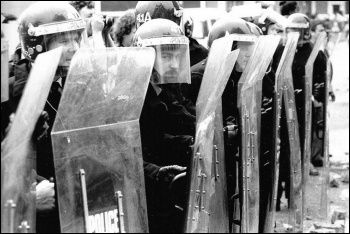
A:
(234, 25)
(37, 35)
(171, 10)
(300, 23)
(167, 128)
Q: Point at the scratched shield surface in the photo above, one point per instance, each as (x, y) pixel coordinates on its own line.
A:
(18, 153)
(250, 109)
(295, 209)
(207, 209)
(97, 130)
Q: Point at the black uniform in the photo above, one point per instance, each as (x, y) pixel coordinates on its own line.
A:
(231, 117)
(167, 132)
(298, 73)
(197, 52)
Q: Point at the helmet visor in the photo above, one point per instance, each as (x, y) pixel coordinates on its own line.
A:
(172, 64)
(70, 41)
(302, 35)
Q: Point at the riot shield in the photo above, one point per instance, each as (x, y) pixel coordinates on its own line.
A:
(250, 39)
(4, 70)
(325, 140)
(207, 209)
(96, 141)
(18, 155)
(296, 183)
(250, 114)
(284, 69)
(307, 111)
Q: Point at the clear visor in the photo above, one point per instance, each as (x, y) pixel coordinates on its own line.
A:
(70, 42)
(301, 31)
(172, 64)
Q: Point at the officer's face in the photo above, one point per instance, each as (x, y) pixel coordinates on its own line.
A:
(246, 49)
(167, 64)
(301, 31)
(319, 29)
(87, 13)
(70, 42)
(127, 39)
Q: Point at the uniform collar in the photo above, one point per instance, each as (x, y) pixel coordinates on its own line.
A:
(156, 88)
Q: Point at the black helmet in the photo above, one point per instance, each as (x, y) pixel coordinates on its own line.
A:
(148, 10)
(301, 23)
(230, 24)
(168, 39)
(44, 19)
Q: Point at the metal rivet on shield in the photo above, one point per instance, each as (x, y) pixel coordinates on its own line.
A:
(30, 51)
(39, 48)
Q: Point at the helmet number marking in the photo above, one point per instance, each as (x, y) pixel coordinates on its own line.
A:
(142, 18)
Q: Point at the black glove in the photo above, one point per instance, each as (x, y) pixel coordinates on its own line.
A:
(41, 127)
(167, 173)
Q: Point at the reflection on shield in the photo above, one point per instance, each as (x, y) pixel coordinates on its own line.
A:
(96, 141)
(306, 122)
(4, 70)
(18, 156)
(250, 114)
(207, 209)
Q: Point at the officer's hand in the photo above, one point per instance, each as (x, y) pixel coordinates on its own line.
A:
(332, 96)
(97, 23)
(41, 127)
(167, 173)
(45, 195)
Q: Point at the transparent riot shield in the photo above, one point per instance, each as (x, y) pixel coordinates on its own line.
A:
(207, 209)
(296, 183)
(18, 154)
(4, 70)
(96, 141)
(249, 39)
(283, 70)
(324, 207)
(250, 114)
(307, 118)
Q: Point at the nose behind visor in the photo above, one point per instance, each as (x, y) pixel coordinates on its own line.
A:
(172, 63)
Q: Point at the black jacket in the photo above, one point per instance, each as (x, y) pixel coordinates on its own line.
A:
(197, 52)
(167, 131)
